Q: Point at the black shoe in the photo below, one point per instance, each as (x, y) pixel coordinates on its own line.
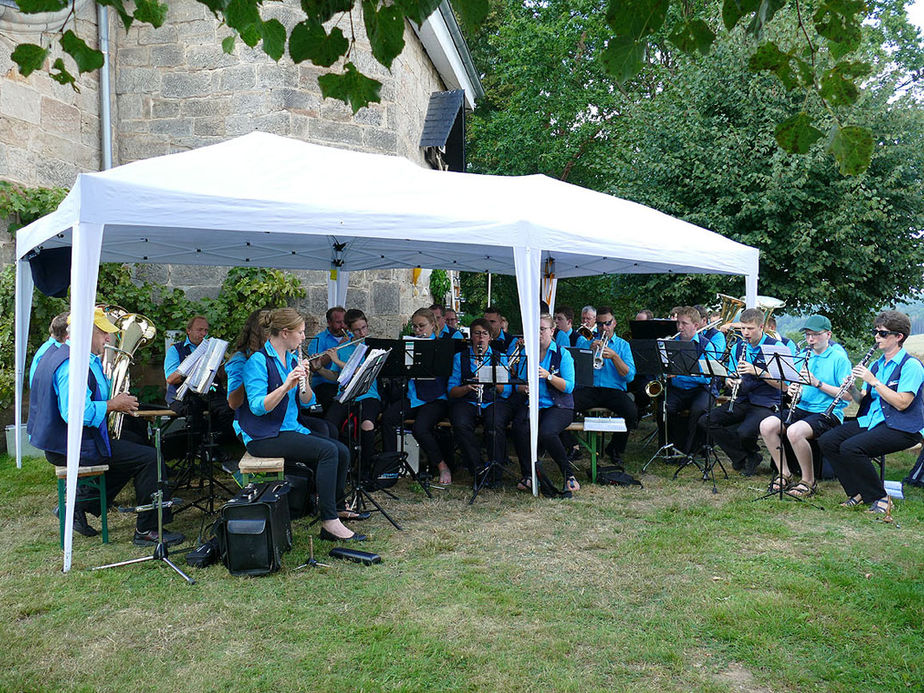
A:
(327, 536)
(753, 462)
(150, 538)
(357, 517)
(81, 526)
(737, 465)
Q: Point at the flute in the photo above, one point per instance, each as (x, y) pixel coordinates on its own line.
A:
(303, 380)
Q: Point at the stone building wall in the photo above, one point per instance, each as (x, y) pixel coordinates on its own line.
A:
(174, 89)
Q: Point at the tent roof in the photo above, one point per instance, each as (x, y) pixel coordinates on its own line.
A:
(265, 200)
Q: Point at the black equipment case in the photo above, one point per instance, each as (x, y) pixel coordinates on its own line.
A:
(254, 529)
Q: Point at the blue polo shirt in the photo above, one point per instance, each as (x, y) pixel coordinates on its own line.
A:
(831, 367)
(563, 339)
(608, 376)
(719, 343)
(51, 342)
(94, 412)
(412, 391)
(234, 369)
(445, 332)
(751, 353)
(690, 382)
(793, 347)
(255, 380)
(911, 380)
(455, 380)
(172, 359)
(567, 373)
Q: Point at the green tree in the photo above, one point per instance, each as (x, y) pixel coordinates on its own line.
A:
(816, 56)
(695, 138)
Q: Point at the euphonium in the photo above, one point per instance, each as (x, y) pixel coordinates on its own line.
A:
(654, 389)
(134, 331)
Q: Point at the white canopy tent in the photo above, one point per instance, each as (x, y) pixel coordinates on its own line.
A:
(269, 201)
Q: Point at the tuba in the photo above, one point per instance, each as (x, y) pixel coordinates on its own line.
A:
(134, 331)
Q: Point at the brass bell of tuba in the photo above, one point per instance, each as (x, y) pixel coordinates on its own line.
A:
(134, 332)
(654, 389)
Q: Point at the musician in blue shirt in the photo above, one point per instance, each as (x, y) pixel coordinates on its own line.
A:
(565, 334)
(556, 408)
(689, 393)
(57, 335)
(127, 460)
(444, 331)
(471, 402)
(276, 385)
(890, 418)
(826, 367)
(335, 333)
(426, 403)
(196, 330)
(610, 381)
(735, 426)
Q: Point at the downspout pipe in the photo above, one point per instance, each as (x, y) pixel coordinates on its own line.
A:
(105, 110)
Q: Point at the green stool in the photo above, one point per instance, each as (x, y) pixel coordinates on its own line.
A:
(87, 477)
(257, 469)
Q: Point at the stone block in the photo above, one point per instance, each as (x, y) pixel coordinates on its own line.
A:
(337, 111)
(386, 298)
(238, 125)
(197, 293)
(64, 148)
(212, 106)
(182, 85)
(132, 147)
(208, 56)
(358, 298)
(209, 126)
(248, 103)
(132, 56)
(317, 300)
(155, 274)
(384, 141)
(274, 123)
(148, 35)
(139, 126)
(199, 31)
(167, 55)
(276, 75)
(53, 172)
(371, 115)
(20, 101)
(165, 108)
(308, 77)
(343, 134)
(128, 107)
(237, 78)
(197, 275)
(172, 126)
(297, 100)
(60, 118)
(137, 80)
(16, 132)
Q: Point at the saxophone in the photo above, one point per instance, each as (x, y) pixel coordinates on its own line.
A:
(134, 332)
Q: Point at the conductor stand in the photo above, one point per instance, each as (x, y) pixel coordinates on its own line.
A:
(161, 553)
(490, 375)
(359, 382)
(780, 365)
(705, 458)
(675, 358)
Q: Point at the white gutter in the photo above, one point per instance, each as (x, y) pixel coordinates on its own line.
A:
(443, 41)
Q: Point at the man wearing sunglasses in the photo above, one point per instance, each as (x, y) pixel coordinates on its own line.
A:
(610, 381)
(890, 418)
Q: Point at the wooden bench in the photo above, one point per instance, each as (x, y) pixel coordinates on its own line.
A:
(87, 477)
(252, 469)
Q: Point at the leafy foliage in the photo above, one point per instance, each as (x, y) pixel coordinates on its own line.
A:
(698, 138)
(439, 285)
(21, 206)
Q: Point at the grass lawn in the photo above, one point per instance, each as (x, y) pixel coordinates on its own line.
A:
(663, 588)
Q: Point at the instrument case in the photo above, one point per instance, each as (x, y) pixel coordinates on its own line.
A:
(254, 529)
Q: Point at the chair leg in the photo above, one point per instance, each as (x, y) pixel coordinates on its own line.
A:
(104, 510)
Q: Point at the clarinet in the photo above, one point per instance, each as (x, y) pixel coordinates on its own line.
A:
(303, 381)
(797, 395)
(479, 386)
(734, 390)
(848, 383)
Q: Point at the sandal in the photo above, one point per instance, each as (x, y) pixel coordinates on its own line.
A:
(572, 484)
(445, 474)
(883, 506)
(525, 484)
(780, 482)
(802, 490)
(852, 502)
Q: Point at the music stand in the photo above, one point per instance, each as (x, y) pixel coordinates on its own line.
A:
(491, 374)
(358, 385)
(646, 354)
(160, 549)
(717, 372)
(779, 364)
(676, 358)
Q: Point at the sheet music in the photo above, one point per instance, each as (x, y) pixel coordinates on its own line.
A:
(352, 363)
(780, 362)
(409, 348)
(486, 372)
(710, 366)
(190, 361)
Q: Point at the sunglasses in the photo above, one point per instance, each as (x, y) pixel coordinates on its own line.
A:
(885, 333)
(607, 323)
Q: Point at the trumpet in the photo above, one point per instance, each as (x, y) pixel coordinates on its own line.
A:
(796, 392)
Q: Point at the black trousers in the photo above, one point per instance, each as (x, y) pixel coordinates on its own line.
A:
(684, 429)
(849, 448)
(129, 462)
(426, 416)
(617, 402)
(325, 392)
(552, 421)
(328, 459)
(465, 415)
(368, 411)
(737, 431)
